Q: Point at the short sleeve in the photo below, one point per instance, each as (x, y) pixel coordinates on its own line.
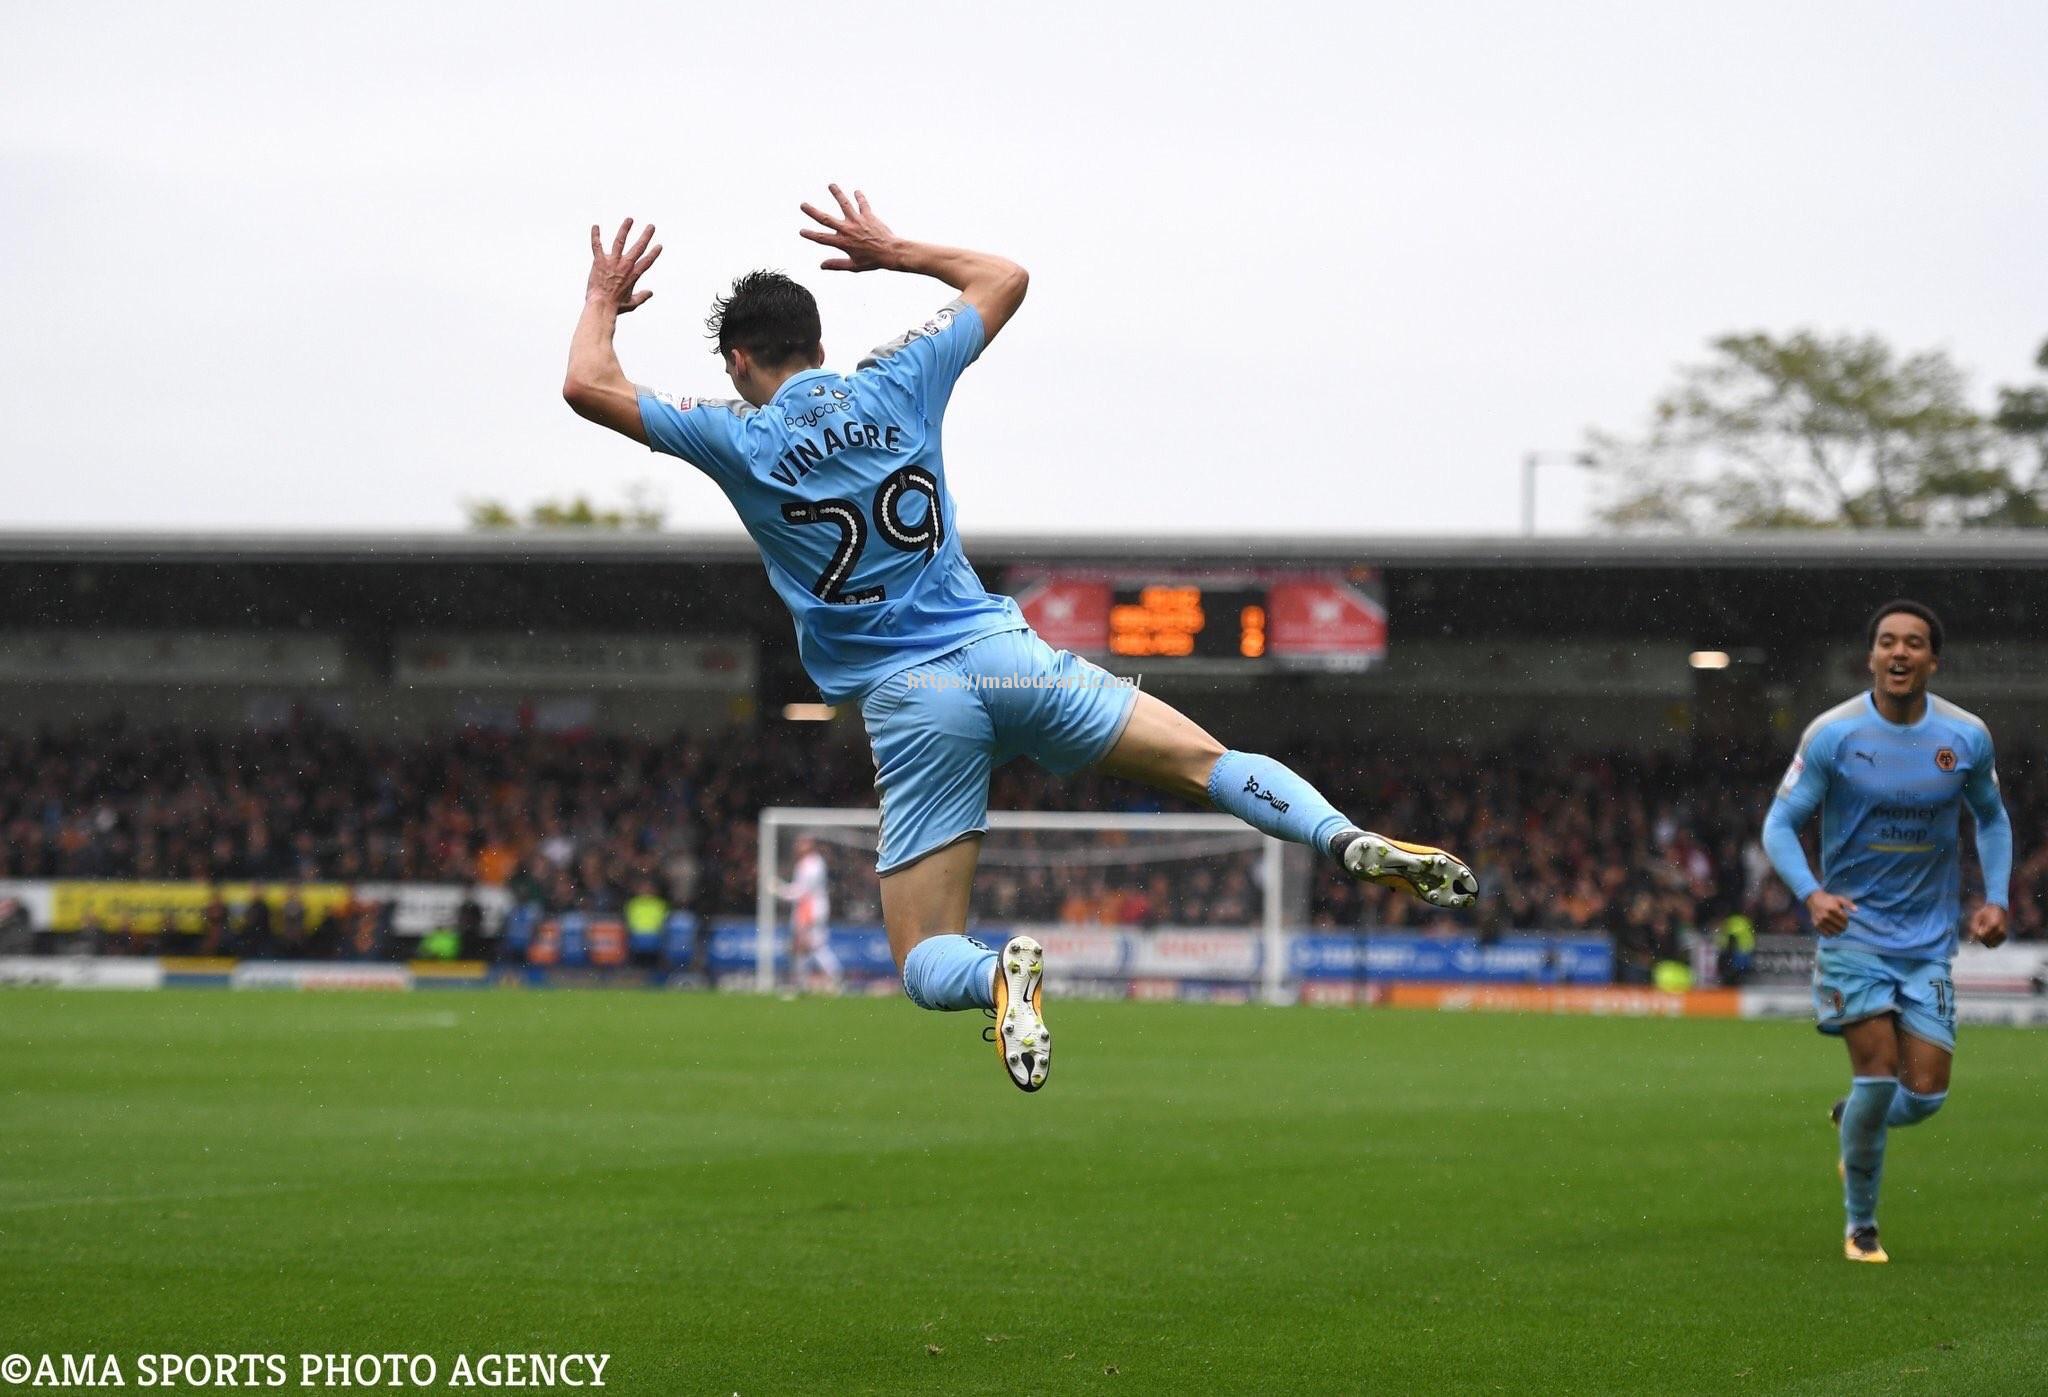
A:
(703, 431)
(928, 360)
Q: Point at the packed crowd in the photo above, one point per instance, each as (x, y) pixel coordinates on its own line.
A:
(1644, 846)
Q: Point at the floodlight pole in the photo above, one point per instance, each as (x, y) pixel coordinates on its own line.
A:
(1530, 462)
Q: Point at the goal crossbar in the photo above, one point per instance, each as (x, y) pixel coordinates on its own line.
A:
(775, 819)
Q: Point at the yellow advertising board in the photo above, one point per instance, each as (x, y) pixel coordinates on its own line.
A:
(179, 906)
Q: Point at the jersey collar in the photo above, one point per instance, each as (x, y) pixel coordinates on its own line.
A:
(789, 384)
(1926, 714)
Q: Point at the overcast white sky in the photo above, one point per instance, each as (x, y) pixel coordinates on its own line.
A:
(1295, 267)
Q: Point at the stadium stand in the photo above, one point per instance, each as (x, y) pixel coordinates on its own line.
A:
(1642, 845)
(577, 718)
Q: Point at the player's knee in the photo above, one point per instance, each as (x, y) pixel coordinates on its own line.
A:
(1912, 1107)
(1195, 764)
(1165, 749)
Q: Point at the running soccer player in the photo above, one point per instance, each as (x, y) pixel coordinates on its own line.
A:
(840, 481)
(1889, 770)
(809, 895)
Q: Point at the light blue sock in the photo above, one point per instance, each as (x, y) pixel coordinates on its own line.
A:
(950, 972)
(1273, 800)
(1870, 1100)
(1911, 1107)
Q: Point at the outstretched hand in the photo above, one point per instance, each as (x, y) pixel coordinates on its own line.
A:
(613, 273)
(864, 238)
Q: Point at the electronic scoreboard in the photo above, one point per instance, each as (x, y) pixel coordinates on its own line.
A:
(1185, 619)
(1295, 618)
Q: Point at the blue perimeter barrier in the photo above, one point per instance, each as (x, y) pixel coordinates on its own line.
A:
(1337, 956)
(1196, 961)
(1519, 960)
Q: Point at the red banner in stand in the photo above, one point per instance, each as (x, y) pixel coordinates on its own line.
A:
(1069, 613)
(1324, 616)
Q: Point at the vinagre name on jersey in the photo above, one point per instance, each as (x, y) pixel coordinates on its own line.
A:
(804, 457)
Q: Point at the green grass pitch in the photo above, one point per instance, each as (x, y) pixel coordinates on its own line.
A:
(731, 1194)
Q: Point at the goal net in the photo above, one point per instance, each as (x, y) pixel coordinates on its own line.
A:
(1126, 904)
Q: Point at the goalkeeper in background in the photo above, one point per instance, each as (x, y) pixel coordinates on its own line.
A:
(809, 895)
(1889, 772)
(840, 480)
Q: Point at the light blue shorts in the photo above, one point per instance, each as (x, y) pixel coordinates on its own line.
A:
(1851, 984)
(939, 728)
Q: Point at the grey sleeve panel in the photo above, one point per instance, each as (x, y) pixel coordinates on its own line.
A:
(1959, 713)
(909, 337)
(1847, 708)
(738, 407)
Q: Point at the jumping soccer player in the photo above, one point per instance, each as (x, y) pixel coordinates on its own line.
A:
(809, 895)
(840, 481)
(1889, 771)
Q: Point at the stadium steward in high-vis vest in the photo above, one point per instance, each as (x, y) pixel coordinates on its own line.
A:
(841, 481)
(1889, 772)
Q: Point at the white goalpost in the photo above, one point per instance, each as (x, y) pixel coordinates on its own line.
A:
(1052, 851)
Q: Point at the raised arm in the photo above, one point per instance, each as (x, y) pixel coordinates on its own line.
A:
(596, 386)
(993, 285)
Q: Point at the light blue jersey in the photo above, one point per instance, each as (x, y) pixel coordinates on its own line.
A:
(841, 484)
(1890, 800)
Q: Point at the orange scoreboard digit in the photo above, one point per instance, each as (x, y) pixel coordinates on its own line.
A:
(1183, 619)
(1299, 618)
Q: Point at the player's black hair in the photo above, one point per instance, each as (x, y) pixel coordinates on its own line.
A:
(769, 316)
(1901, 606)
